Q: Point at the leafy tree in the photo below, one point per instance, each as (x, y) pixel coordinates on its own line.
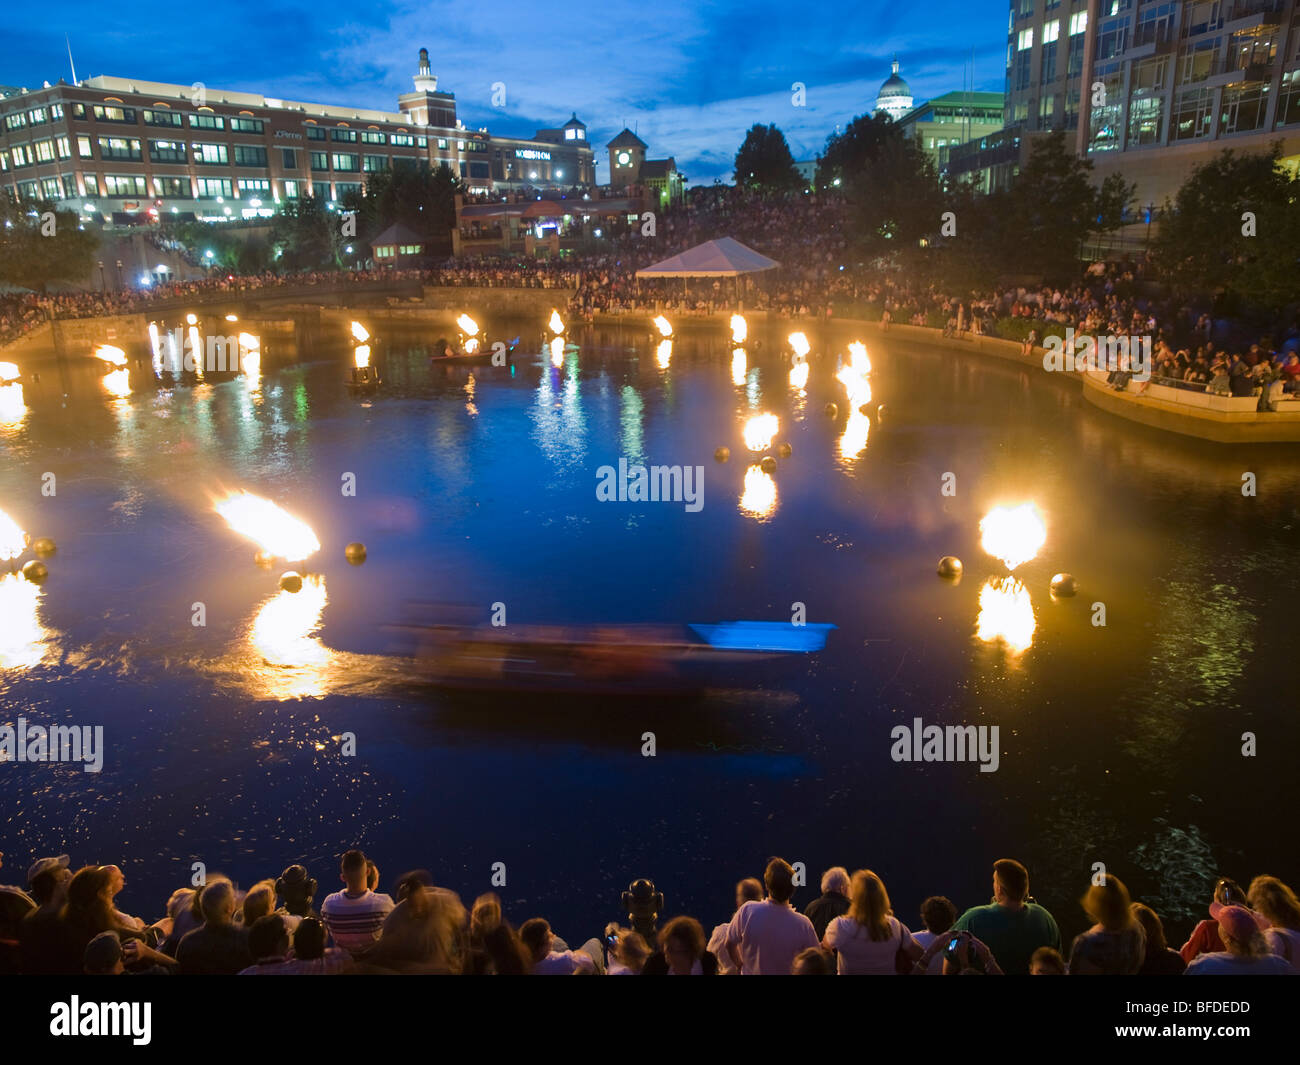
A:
(1233, 231)
(420, 197)
(305, 234)
(1114, 199)
(40, 244)
(764, 161)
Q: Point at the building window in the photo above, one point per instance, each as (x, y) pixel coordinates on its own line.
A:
(21, 155)
(211, 188)
(83, 147)
(207, 121)
(211, 154)
(344, 161)
(167, 152)
(1049, 64)
(316, 133)
(250, 155)
(44, 151)
(291, 190)
(1145, 118)
(1078, 23)
(163, 118)
(1288, 101)
(289, 158)
(403, 140)
(78, 110)
(15, 121)
(1025, 40)
(320, 160)
(119, 148)
(373, 163)
(92, 185)
(1244, 108)
(254, 187)
(115, 114)
(346, 135)
(1191, 114)
(63, 147)
(172, 188)
(37, 116)
(371, 137)
(246, 125)
(121, 186)
(346, 188)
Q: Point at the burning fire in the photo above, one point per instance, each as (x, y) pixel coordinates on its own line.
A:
(250, 349)
(799, 343)
(664, 326)
(858, 359)
(23, 638)
(855, 385)
(664, 354)
(799, 375)
(274, 530)
(361, 356)
(8, 372)
(1013, 534)
(467, 325)
(360, 333)
(109, 353)
(556, 324)
(557, 351)
(739, 328)
(856, 432)
(759, 496)
(760, 430)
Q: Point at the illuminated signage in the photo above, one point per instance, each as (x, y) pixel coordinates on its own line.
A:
(530, 153)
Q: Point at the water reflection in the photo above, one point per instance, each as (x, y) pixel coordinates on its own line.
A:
(1006, 614)
(283, 633)
(759, 496)
(739, 365)
(24, 641)
(853, 441)
(13, 409)
(664, 354)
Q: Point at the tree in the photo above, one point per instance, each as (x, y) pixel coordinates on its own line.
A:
(1114, 198)
(419, 197)
(764, 161)
(40, 244)
(305, 234)
(1233, 231)
(1048, 212)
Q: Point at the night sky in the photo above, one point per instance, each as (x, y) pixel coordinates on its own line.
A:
(690, 77)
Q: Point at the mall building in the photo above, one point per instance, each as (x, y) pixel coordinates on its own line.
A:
(123, 150)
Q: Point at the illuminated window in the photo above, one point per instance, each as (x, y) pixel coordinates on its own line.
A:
(172, 188)
(44, 151)
(211, 188)
(207, 121)
(167, 152)
(119, 148)
(1078, 22)
(212, 154)
(83, 147)
(250, 155)
(344, 162)
(1025, 40)
(63, 147)
(163, 118)
(119, 185)
(246, 125)
(1051, 30)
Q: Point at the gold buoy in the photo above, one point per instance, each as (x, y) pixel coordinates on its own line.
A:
(1064, 585)
(44, 547)
(263, 559)
(291, 581)
(768, 465)
(722, 454)
(36, 572)
(831, 410)
(785, 451)
(355, 553)
(950, 566)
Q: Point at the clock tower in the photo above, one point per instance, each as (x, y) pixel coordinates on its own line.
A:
(626, 154)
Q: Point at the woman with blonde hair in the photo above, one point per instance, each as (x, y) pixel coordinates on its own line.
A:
(1115, 945)
(1277, 902)
(869, 937)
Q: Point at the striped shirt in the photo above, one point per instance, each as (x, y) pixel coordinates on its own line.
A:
(354, 921)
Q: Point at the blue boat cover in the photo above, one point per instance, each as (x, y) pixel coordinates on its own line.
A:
(764, 636)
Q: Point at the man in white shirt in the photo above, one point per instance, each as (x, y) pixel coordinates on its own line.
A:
(748, 890)
(765, 937)
(355, 916)
(537, 937)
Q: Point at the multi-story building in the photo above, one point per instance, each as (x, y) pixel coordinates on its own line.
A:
(952, 119)
(1047, 46)
(116, 145)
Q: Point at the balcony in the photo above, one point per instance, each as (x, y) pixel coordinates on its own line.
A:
(1252, 14)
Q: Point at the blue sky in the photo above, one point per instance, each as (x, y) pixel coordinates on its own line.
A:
(689, 75)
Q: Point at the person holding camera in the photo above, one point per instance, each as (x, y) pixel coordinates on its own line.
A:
(963, 955)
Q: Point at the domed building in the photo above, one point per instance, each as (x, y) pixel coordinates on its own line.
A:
(895, 96)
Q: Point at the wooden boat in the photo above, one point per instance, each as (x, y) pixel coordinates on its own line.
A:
(457, 352)
(599, 660)
(363, 381)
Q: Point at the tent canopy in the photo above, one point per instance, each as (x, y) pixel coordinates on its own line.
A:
(715, 258)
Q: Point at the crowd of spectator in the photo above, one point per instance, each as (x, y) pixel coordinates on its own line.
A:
(65, 923)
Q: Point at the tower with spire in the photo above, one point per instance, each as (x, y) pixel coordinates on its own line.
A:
(895, 96)
(426, 106)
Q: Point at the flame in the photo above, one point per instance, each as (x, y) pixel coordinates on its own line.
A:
(664, 354)
(1013, 534)
(759, 495)
(1006, 614)
(664, 326)
(856, 431)
(109, 353)
(557, 351)
(250, 348)
(13, 541)
(362, 335)
(739, 328)
(191, 319)
(556, 324)
(361, 356)
(22, 636)
(760, 430)
(799, 375)
(858, 358)
(9, 371)
(471, 346)
(739, 366)
(800, 344)
(232, 318)
(467, 324)
(274, 530)
(282, 634)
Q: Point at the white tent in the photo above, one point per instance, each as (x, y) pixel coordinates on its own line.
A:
(715, 258)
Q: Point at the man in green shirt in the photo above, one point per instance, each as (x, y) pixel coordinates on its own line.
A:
(1013, 925)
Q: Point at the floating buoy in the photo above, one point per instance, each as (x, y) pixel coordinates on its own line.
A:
(291, 581)
(44, 547)
(768, 465)
(1063, 585)
(355, 553)
(880, 413)
(722, 454)
(950, 566)
(263, 559)
(36, 572)
(831, 410)
(785, 451)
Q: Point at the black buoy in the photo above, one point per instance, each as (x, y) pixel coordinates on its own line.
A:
(950, 566)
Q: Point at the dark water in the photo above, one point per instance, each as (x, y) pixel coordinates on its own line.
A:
(1119, 744)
